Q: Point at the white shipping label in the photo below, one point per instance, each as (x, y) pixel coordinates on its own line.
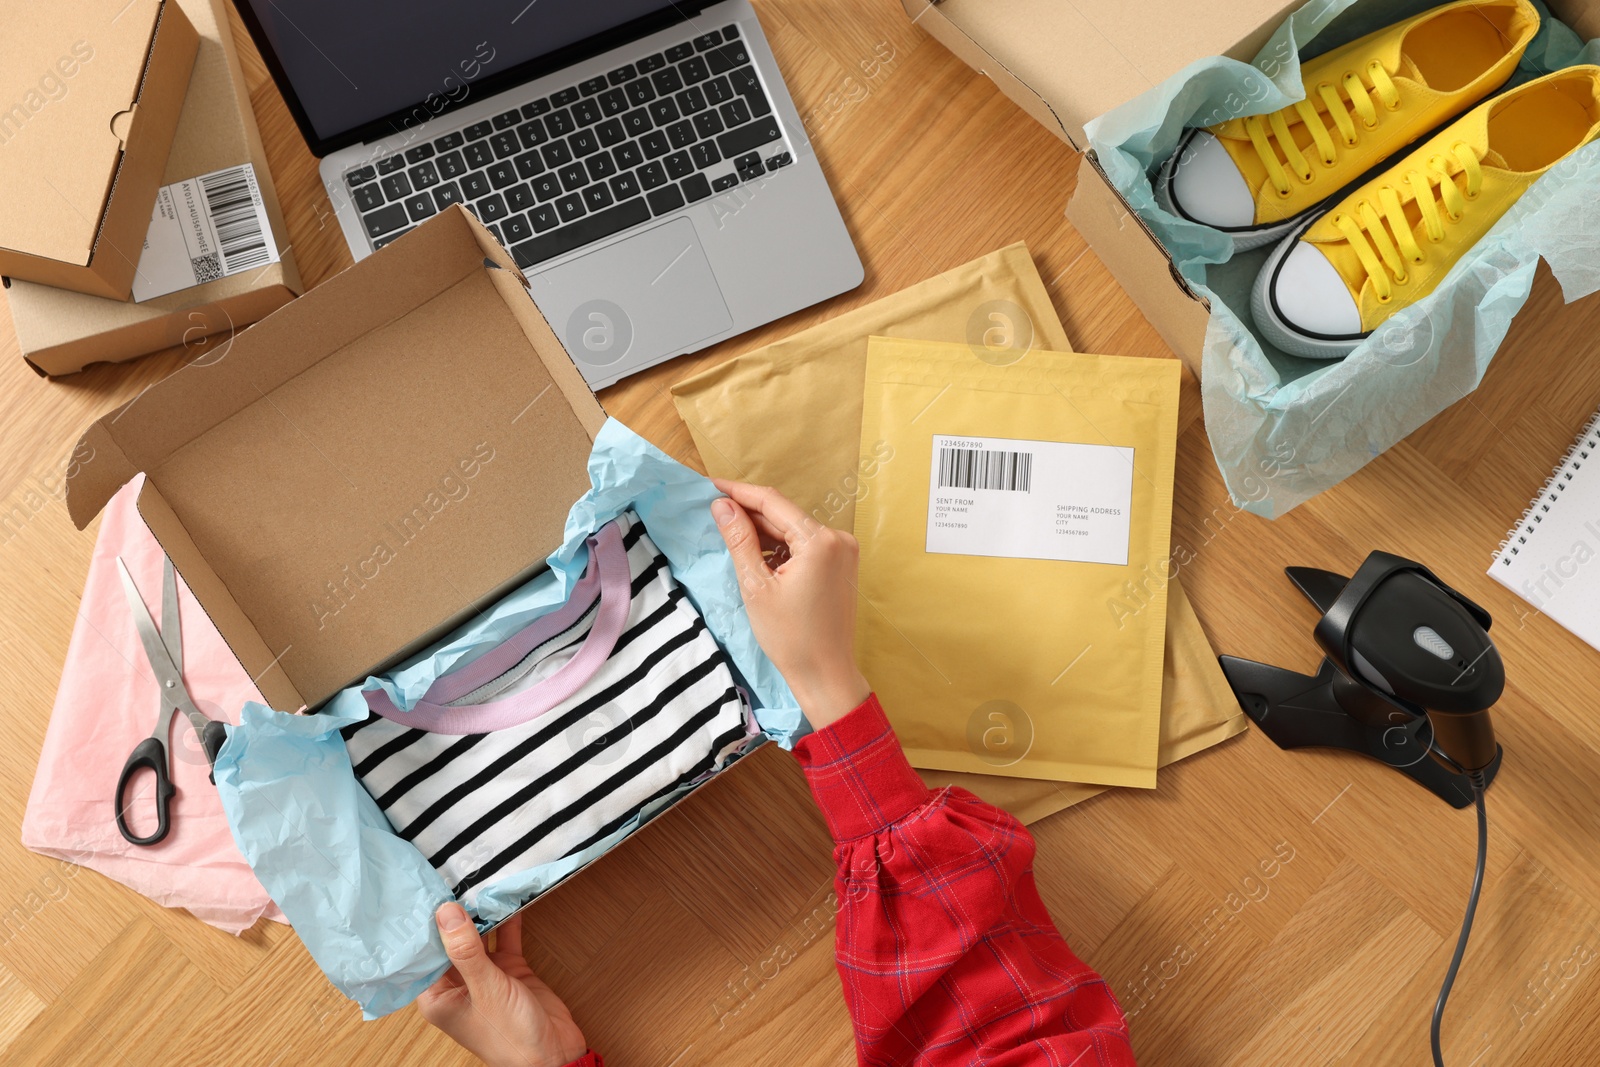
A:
(993, 496)
(203, 229)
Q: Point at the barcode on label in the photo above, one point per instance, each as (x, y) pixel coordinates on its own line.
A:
(230, 199)
(971, 468)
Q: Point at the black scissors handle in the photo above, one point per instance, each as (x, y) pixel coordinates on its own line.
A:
(212, 738)
(149, 753)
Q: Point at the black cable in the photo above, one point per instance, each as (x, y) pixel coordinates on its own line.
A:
(1478, 787)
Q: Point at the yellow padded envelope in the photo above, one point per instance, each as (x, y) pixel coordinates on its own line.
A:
(1022, 504)
(789, 415)
(1198, 710)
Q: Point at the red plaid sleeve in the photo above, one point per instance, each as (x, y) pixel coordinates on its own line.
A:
(588, 1059)
(947, 954)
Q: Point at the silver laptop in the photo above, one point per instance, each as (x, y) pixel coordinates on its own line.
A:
(641, 159)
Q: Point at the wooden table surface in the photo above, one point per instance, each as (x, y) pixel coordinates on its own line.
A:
(1260, 907)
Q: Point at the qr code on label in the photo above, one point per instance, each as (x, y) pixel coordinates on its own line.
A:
(206, 268)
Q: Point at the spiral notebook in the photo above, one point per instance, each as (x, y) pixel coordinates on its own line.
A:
(1551, 558)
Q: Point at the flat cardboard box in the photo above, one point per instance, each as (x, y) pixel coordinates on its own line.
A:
(61, 332)
(1065, 64)
(369, 465)
(90, 92)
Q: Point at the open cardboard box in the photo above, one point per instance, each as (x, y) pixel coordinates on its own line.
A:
(365, 467)
(1066, 64)
(90, 92)
(61, 331)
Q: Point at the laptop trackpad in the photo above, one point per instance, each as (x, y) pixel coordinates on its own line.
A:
(633, 303)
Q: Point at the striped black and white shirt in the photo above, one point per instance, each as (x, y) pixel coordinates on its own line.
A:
(556, 738)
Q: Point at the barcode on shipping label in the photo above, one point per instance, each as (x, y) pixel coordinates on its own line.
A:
(1059, 500)
(204, 228)
(971, 468)
(232, 199)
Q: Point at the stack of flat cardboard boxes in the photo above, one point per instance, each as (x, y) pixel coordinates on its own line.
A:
(138, 212)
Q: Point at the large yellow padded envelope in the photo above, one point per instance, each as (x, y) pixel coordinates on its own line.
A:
(789, 415)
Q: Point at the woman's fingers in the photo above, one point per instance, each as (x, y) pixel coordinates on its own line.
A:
(771, 536)
(448, 981)
(466, 948)
(744, 543)
(787, 522)
(442, 1002)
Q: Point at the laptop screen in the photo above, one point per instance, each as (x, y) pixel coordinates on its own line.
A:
(345, 66)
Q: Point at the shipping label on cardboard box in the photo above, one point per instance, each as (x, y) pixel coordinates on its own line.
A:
(202, 229)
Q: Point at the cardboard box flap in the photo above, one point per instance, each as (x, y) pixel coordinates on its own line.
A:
(1081, 60)
(199, 397)
(70, 76)
(364, 467)
(98, 468)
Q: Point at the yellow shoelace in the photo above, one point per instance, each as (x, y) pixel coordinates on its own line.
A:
(1264, 129)
(1375, 246)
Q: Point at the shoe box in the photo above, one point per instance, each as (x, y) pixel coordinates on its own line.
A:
(61, 331)
(1117, 51)
(90, 92)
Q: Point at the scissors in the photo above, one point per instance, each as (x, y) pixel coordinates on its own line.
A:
(164, 649)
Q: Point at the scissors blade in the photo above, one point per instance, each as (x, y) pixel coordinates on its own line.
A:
(173, 696)
(171, 625)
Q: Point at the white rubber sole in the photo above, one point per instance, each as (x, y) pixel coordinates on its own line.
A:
(1284, 334)
(1243, 240)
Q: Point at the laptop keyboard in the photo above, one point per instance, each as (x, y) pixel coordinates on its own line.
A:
(589, 160)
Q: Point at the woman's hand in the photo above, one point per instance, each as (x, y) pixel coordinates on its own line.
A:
(801, 599)
(491, 1003)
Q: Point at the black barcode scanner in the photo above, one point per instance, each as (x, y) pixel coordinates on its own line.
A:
(1410, 673)
(1398, 627)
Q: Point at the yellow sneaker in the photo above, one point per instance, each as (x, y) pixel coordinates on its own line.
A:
(1256, 177)
(1391, 241)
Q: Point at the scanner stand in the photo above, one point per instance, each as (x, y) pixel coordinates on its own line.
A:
(1329, 710)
